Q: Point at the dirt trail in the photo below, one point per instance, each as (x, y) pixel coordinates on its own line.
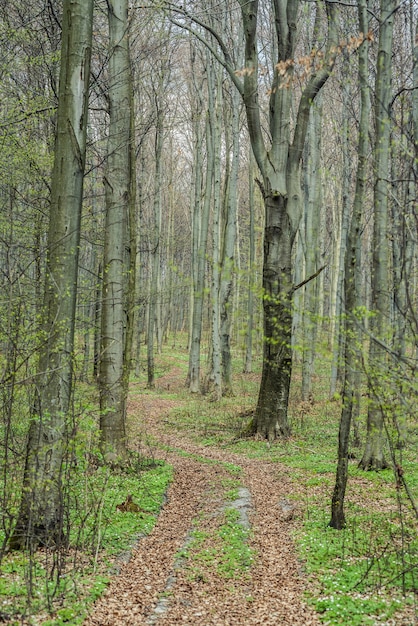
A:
(271, 594)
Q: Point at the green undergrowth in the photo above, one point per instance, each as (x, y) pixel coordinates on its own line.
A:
(369, 571)
(58, 585)
(363, 574)
(224, 550)
(220, 548)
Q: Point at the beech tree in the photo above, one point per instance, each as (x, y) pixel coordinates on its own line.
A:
(278, 154)
(229, 236)
(373, 457)
(160, 78)
(119, 188)
(312, 216)
(200, 225)
(40, 516)
(214, 378)
(351, 287)
(251, 263)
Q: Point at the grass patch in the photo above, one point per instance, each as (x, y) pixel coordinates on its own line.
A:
(362, 575)
(219, 545)
(225, 552)
(57, 586)
(231, 486)
(357, 576)
(236, 557)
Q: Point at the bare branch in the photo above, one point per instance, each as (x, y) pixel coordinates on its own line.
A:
(226, 61)
(308, 280)
(314, 85)
(28, 114)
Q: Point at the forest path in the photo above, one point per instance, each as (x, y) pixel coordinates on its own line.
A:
(159, 588)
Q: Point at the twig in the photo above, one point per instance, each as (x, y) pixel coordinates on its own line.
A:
(307, 280)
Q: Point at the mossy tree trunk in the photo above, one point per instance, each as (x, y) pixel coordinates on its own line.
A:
(229, 230)
(116, 261)
(40, 519)
(271, 413)
(373, 457)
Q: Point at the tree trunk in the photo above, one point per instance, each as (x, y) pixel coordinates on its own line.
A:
(196, 189)
(199, 277)
(141, 325)
(279, 165)
(229, 230)
(248, 364)
(312, 252)
(338, 338)
(132, 245)
(214, 378)
(40, 519)
(154, 305)
(280, 170)
(118, 191)
(97, 321)
(271, 413)
(373, 457)
(351, 286)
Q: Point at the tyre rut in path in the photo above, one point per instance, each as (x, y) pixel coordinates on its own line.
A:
(272, 591)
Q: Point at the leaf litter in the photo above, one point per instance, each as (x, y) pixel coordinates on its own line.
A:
(158, 587)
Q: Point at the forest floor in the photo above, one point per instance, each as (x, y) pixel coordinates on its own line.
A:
(154, 587)
(161, 586)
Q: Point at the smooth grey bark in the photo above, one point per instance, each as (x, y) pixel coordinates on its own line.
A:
(351, 286)
(132, 245)
(229, 230)
(92, 332)
(200, 225)
(338, 334)
(154, 314)
(40, 519)
(158, 236)
(165, 164)
(402, 259)
(248, 363)
(97, 322)
(169, 306)
(312, 218)
(373, 456)
(312, 252)
(141, 289)
(280, 170)
(201, 230)
(196, 187)
(298, 297)
(118, 189)
(279, 160)
(415, 95)
(413, 194)
(404, 193)
(88, 315)
(214, 378)
(229, 253)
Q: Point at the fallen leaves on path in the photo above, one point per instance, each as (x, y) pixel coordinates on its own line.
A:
(271, 592)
